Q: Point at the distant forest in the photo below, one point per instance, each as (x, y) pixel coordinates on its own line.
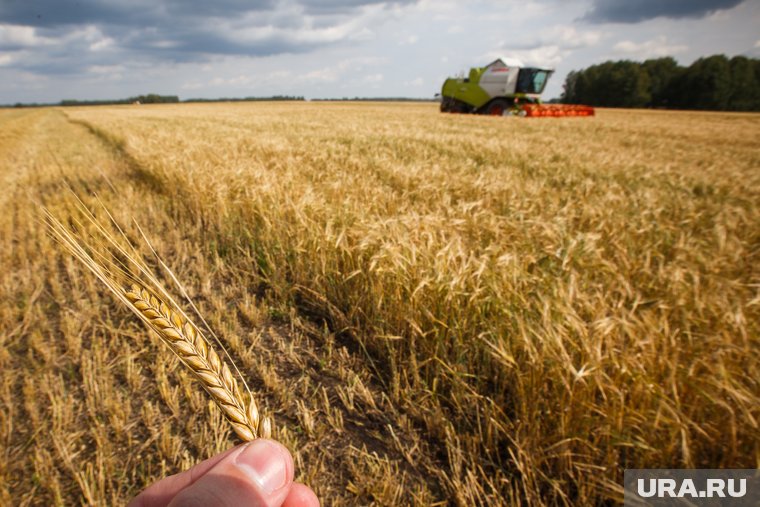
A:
(711, 83)
(154, 98)
(151, 98)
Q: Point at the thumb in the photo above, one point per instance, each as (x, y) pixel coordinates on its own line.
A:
(258, 474)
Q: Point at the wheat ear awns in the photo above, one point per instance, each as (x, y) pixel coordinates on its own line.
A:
(147, 299)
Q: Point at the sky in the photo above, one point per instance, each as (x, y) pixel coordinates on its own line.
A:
(52, 50)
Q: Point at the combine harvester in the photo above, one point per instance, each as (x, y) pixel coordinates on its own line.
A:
(504, 87)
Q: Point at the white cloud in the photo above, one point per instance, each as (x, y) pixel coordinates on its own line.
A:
(358, 70)
(719, 15)
(25, 36)
(651, 48)
(240, 80)
(417, 82)
(498, 11)
(309, 29)
(535, 9)
(254, 79)
(365, 34)
(757, 43)
(542, 56)
(412, 39)
(163, 44)
(105, 69)
(107, 72)
(102, 44)
(551, 47)
(373, 78)
(569, 37)
(6, 59)
(324, 75)
(193, 85)
(89, 33)
(442, 10)
(278, 75)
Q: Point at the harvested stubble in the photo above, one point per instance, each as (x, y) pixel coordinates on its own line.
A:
(532, 306)
(552, 302)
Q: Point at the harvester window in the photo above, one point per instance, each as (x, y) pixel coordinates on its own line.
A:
(532, 80)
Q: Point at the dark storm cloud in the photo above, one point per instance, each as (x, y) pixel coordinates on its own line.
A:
(628, 11)
(51, 13)
(182, 47)
(58, 37)
(341, 6)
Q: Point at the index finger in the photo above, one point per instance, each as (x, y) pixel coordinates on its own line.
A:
(161, 493)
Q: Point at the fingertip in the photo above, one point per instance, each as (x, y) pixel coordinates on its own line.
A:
(267, 463)
(301, 496)
(259, 473)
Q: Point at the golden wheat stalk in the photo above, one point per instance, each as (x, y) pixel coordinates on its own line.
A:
(162, 315)
(186, 341)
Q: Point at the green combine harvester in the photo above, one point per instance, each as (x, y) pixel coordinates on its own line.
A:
(504, 87)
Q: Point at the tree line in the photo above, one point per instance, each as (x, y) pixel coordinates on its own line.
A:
(152, 98)
(711, 83)
(273, 98)
(376, 99)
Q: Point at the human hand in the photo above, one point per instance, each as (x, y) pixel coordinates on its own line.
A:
(255, 474)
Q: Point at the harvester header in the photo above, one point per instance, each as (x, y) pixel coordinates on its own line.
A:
(504, 87)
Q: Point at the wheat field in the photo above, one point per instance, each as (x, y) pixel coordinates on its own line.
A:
(435, 309)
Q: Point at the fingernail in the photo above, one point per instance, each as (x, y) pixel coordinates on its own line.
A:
(265, 463)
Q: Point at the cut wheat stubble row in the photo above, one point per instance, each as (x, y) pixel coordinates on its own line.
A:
(192, 349)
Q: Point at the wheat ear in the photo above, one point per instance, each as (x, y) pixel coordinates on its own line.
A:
(187, 342)
(157, 309)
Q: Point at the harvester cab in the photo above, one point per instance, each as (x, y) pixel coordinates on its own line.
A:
(504, 87)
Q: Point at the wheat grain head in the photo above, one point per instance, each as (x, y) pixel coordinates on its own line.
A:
(187, 342)
(157, 309)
